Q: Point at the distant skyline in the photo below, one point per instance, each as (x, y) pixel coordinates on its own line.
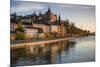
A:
(81, 15)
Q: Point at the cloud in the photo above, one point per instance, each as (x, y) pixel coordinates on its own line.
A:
(26, 6)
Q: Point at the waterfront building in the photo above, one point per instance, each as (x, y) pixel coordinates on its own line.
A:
(47, 22)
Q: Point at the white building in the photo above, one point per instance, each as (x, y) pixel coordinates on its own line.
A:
(13, 26)
(31, 32)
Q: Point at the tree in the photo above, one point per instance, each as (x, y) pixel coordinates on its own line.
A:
(19, 27)
(20, 32)
(67, 25)
(20, 36)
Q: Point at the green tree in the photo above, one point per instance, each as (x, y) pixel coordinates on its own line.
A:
(20, 36)
(19, 27)
(67, 26)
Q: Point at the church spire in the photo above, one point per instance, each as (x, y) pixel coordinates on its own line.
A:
(49, 10)
(59, 19)
(40, 13)
(48, 13)
(34, 14)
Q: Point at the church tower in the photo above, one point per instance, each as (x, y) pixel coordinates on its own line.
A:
(40, 14)
(49, 12)
(59, 19)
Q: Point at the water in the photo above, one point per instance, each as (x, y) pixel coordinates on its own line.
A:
(81, 49)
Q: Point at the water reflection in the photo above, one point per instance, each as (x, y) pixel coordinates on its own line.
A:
(41, 53)
(81, 49)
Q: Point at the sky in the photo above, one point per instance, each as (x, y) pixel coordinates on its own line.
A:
(81, 15)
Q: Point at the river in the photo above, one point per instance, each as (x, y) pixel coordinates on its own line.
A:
(80, 49)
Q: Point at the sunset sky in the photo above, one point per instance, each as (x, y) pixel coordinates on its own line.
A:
(81, 15)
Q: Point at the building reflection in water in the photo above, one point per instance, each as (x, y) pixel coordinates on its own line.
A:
(40, 54)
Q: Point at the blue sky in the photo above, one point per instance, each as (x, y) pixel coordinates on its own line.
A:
(79, 14)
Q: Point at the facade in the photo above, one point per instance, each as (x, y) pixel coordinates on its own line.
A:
(47, 22)
(13, 26)
(31, 32)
